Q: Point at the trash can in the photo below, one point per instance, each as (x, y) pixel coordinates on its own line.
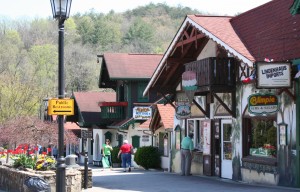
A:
(37, 184)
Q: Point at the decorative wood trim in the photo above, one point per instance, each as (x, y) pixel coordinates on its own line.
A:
(190, 38)
(230, 111)
(280, 91)
(168, 100)
(204, 111)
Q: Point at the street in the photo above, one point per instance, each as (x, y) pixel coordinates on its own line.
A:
(158, 181)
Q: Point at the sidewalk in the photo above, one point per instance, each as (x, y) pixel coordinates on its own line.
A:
(156, 180)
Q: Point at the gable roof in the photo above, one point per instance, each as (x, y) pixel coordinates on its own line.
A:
(220, 30)
(239, 35)
(131, 66)
(166, 113)
(270, 31)
(87, 103)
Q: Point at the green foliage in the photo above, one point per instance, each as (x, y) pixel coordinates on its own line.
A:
(24, 161)
(28, 51)
(147, 157)
(114, 155)
(263, 133)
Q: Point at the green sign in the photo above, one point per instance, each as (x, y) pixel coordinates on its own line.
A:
(262, 103)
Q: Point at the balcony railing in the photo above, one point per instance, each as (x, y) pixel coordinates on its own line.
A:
(112, 110)
(213, 74)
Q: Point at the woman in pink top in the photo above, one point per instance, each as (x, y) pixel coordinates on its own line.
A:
(125, 152)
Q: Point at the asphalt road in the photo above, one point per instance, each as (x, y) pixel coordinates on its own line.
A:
(158, 181)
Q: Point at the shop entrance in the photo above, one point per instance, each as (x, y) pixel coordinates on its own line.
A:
(226, 149)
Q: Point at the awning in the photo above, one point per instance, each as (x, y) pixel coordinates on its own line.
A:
(124, 124)
(295, 8)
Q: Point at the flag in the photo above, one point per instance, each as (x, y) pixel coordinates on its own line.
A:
(268, 60)
(251, 78)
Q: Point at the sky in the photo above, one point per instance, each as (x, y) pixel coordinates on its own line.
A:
(18, 9)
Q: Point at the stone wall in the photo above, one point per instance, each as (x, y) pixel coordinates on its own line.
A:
(13, 180)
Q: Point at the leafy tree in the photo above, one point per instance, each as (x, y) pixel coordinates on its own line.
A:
(81, 69)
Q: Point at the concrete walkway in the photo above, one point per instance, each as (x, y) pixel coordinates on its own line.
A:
(157, 181)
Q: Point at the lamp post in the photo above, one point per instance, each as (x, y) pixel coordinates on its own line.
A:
(61, 12)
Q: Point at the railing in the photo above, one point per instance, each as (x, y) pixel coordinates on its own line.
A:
(213, 71)
(112, 110)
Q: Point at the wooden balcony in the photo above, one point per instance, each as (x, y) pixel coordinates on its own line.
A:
(112, 110)
(213, 74)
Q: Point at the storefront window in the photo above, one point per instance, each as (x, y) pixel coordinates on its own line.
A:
(227, 148)
(264, 138)
(194, 127)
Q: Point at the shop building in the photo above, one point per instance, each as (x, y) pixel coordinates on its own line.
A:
(233, 83)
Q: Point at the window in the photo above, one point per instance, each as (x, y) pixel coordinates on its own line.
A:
(141, 88)
(136, 141)
(261, 137)
(194, 127)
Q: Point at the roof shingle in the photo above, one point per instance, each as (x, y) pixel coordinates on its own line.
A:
(131, 66)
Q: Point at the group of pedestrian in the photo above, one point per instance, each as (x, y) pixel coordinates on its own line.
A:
(187, 147)
(125, 153)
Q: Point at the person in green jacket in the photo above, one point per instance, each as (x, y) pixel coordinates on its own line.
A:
(187, 147)
(106, 151)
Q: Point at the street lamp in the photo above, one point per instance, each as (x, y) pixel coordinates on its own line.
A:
(61, 12)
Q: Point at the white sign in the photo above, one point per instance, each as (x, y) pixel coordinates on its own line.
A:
(273, 75)
(142, 113)
(205, 125)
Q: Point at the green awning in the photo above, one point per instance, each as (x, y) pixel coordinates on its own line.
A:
(296, 62)
(295, 8)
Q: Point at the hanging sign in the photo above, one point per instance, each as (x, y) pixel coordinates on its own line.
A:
(183, 110)
(189, 81)
(262, 103)
(273, 75)
(142, 113)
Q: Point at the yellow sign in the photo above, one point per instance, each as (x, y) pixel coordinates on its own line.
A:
(61, 107)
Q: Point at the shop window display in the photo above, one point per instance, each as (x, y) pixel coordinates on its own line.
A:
(194, 127)
(264, 138)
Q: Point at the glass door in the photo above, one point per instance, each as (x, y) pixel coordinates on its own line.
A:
(226, 149)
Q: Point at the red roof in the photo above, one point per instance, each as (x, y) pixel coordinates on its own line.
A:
(71, 126)
(270, 31)
(132, 66)
(166, 113)
(88, 101)
(220, 28)
(146, 124)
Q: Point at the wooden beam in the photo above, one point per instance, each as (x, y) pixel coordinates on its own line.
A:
(287, 92)
(223, 104)
(204, 111)
(189, 40)
(168, 100)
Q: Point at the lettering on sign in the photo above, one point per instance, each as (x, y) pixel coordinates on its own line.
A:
(61, 107)
(142, 113)
(262, 103)
(273, 75)
(85, 134)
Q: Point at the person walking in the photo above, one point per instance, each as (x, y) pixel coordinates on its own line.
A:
(125, 152)
(106, 153)
(187, 146)
(54, 152)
